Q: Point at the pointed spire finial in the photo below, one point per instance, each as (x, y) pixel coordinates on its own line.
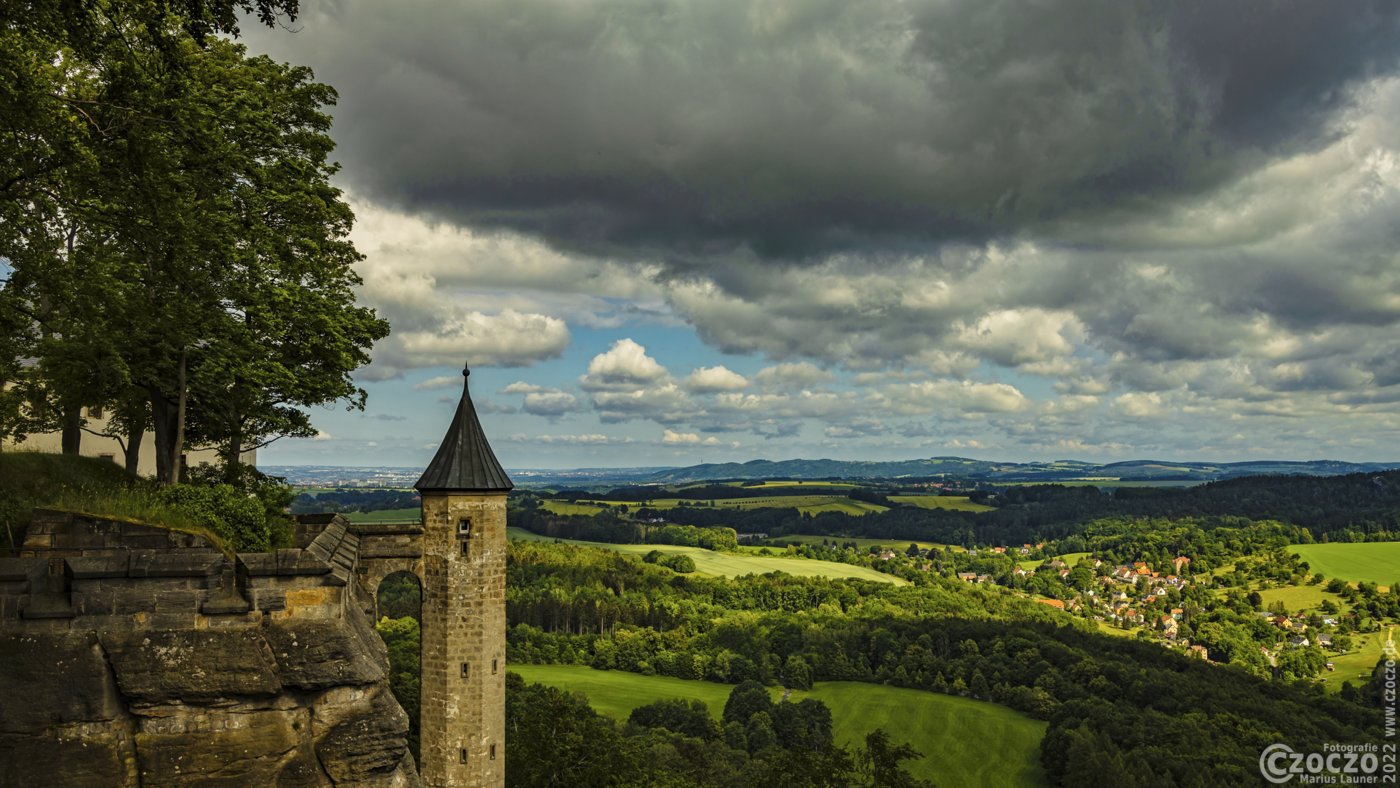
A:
(464, 461)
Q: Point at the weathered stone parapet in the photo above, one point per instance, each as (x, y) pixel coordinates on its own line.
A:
(146, 658)
(75, 566)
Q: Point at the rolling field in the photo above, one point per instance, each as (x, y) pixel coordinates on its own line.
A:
(1356, 665)
(1371, 562)
(1068, 558)
(959, 503)
(1103, 483)
(1299, 598)
(709, 562)
(567, 508)
(793, 483)
(964, 742)
(861, 542)
(809, 504)
(386, 516)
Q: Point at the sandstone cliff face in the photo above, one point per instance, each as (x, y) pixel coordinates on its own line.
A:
(292, 695)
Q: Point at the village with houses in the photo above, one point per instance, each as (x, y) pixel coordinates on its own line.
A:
(1164, 602)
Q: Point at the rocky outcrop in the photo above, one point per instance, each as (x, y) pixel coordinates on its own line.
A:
(259, 672)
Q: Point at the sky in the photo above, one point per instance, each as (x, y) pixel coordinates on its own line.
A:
(665, 232)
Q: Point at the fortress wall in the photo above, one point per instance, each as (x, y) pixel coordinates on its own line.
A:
(146, 657)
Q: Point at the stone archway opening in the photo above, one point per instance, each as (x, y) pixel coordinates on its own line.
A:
(399, 605)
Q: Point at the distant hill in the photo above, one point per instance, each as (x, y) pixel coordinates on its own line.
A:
(964, 469)
(931, 469)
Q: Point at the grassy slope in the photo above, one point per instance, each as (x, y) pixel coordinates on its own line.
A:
(964, 742)
(1297, 599)
(1372, 562)
(813, 504)
(954, 502)
(710, 562)
(410, 515)
(1355, 665)
(794, 483)
(808, 504)
(861, 542)
(1068, 558)
(82, 484)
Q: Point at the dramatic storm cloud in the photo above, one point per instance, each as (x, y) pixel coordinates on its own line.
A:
(1092, 228)
(680, 129)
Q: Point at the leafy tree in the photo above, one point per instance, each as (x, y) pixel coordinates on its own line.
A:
(679, 562)
(400, 596)
(797, 674)
(879, 763)
(759, 732)
(173, 230)
(556, 738)
(689, 718)
(805, 725)
(403, 639)
(745, 700)
(1093, 759)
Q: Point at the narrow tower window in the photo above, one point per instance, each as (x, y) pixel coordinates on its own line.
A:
(462, 755)
(493, 752)
(466, 670)
(493, 667)
(464, 534)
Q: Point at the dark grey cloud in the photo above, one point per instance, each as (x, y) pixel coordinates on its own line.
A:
(1180, 217)
(686, 130)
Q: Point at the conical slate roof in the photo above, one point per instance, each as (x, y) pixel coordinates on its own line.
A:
(464, 461)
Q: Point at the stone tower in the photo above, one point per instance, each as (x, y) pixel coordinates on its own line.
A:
(464, 608)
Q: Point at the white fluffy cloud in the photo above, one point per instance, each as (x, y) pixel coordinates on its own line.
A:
(687, 438)
(431, 330)
(551, 404)
(439, 382)
(585, 439)
(711, 379)
(624, 367)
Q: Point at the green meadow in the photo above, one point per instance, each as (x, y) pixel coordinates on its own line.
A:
(1370, 562)
(808, 504)
(1299, 598)
(412, 515)
(959, 503)
(861, 542)
(1068, 558)
(792, 483)
(964, 742)
(709, 562)
(1355, 665)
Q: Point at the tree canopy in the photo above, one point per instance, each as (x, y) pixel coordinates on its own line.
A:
(176, 252)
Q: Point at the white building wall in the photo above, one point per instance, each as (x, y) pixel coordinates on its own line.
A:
(109, 448)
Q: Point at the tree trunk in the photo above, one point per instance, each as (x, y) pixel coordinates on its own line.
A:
(132, 450)
(177, 468)
(72, 430)
(233, 452)
(163, 416)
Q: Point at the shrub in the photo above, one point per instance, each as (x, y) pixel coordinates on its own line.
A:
(237, 517)
(679, 562)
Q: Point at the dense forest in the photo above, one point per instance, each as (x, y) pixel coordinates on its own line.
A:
(608, 526)
(1120, 711)
(1355, 508)
(354, 501)
(558, 739)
